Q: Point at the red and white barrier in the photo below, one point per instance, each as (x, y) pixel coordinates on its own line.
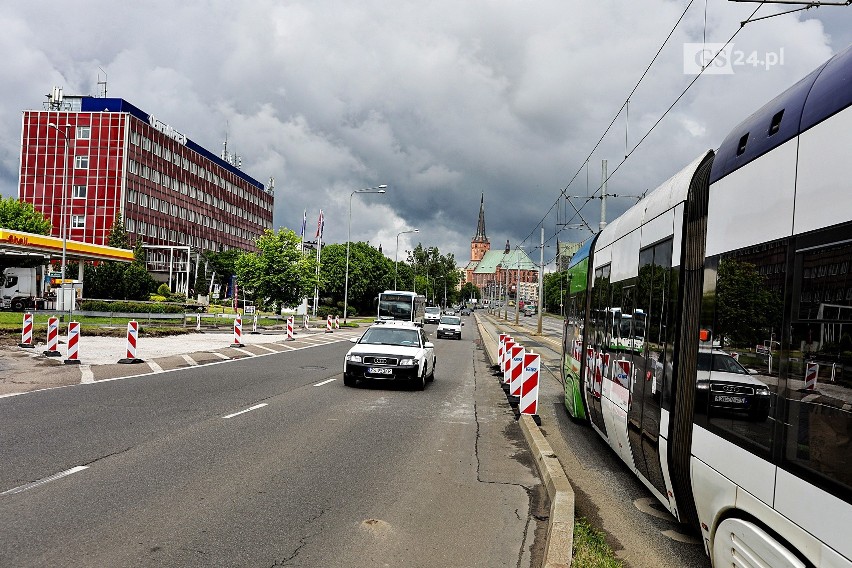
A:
(507, 359)
(336, 322)
(811, 372)
(197, 322)
(27, 332)
(52, 338)
(290, 328)
(238, 332)
(73, 343)
(132, 338)
(623, 368)
(529, 384)
(328, 324)
(305, 322)
(516, 370)
(254, 324)
(501, 346)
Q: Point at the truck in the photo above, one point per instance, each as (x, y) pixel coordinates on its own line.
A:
(25, 287)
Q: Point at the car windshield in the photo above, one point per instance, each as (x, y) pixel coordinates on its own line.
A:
(391, 336)
(433, 310)
(451, 320)
(719, 362)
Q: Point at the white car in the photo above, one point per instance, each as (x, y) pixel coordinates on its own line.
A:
(449, 326)
(432, 315)
(391, 353)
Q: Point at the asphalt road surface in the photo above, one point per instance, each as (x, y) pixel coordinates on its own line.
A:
(270, 461)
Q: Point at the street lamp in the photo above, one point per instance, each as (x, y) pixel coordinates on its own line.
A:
(63, 222)
(377, 189)
(395, 254)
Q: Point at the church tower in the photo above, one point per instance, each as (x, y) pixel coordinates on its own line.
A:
(479, 244)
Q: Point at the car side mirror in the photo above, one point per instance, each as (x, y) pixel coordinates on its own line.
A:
(462, 324)
(429, 345)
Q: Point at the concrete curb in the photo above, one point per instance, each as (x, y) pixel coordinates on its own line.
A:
(560, 530)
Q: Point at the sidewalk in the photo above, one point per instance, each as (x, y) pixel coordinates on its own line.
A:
(25, 370)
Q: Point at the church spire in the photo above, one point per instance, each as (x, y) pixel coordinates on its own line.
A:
(480, 227)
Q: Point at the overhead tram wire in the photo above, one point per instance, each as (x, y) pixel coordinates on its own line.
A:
(653, 127)
(617, 114)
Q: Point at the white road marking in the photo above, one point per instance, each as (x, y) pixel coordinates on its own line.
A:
(325, 382)
(220, 355)
(54, 477)
(154, 367)
(192, 362)
(265, 348)
(246, 351)
(255, 407)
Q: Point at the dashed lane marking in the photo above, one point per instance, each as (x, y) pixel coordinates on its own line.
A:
(54, 477)
(192, 362)
(154, 366)
(255, 407)
(325, 382)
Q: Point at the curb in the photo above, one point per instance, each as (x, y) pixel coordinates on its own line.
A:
(560, 531)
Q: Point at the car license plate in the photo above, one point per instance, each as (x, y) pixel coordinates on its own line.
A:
(725, 399)
(380, 371)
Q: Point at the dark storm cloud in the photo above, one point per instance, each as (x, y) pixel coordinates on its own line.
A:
(442, 100)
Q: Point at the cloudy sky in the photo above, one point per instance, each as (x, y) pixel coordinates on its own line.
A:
(440, 100)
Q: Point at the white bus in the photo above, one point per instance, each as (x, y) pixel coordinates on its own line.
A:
(395, 305)
(752, 241)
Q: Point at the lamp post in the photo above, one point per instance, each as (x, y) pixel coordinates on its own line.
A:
(396, 253)
(518, 287)
(63, 222)
(377, 189)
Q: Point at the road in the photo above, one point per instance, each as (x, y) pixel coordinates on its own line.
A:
(270, 461)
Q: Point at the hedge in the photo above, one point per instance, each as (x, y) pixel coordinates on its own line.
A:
(130, 307)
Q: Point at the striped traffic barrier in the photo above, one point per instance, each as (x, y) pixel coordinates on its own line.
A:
(328, 324)
(238, 332)
(305, 322)
(197, 322)
(811, 372)
(254, 324)
(27, 332)
(132, 339)
(501, 340)
(290, 328)
(516, 370)
(73, 343)
(336, 322)
(507, 360)
(529, 385)
(52, 338)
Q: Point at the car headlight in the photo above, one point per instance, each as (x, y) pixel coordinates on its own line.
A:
(762, 392)
(703, 386)
(353, 358)
(410, 361)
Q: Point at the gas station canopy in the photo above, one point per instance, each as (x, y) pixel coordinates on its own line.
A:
(19, 243)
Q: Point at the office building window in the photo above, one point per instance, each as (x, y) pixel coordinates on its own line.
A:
(78, 191)
(78, 221)
(84, 132)
(81, 162)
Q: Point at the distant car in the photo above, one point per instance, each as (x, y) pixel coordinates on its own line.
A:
(432, 315)
(466, 312)
(723, 385)
(391, 353)
(449, 312)
(449, 326)
(530, 311)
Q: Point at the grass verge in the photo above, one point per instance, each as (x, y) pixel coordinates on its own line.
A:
(590, 548)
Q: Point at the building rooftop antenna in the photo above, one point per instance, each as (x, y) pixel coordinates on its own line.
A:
(102, 84)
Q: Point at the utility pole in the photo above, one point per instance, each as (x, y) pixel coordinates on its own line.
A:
(603, 195)
(540, 283)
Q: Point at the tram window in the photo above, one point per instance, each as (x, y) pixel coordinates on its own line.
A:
(776, 122)
(741, 147)
(819, 373)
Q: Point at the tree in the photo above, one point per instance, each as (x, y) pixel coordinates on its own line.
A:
(224, 264)
(19, 216)
(747, 310)
(279, 272)
(470, 290)
(370, 272)
(555, 291)
(112, 280)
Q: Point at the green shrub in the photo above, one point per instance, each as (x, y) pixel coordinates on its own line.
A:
(130, 307)
(164, 290)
